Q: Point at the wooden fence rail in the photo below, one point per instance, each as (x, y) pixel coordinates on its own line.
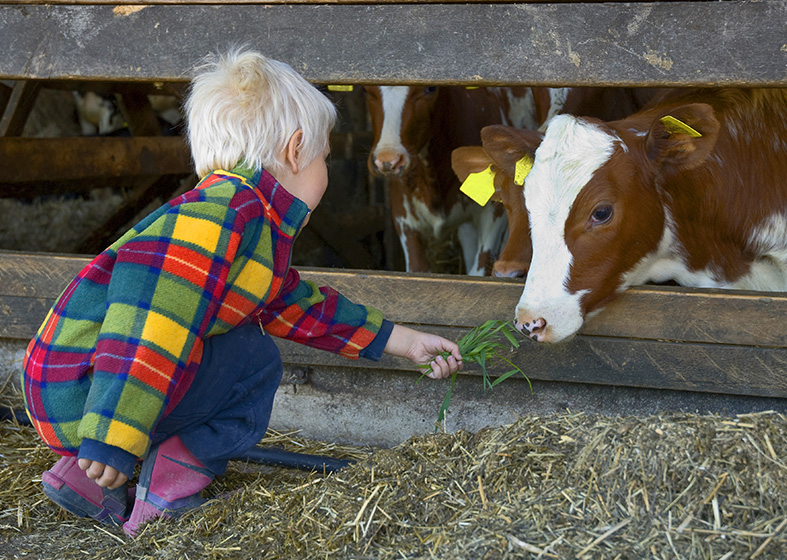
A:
(602, 44)
(652, 337)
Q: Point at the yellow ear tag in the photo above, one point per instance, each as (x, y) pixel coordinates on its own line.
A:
(523, 167)
(339, 88)
(480, 186)
(674, 126)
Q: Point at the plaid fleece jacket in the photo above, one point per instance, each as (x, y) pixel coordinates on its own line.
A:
(121, 344)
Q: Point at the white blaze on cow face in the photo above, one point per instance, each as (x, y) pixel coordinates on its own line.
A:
(571, 152)
(390, 156)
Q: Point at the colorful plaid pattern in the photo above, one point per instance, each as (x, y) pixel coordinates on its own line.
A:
(123, 341)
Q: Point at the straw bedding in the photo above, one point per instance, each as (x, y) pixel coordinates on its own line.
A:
(562, 486)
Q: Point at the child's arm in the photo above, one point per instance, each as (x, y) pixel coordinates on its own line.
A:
(424, 348)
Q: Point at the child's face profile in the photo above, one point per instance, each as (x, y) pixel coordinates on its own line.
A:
(307, 183)
(315, 179)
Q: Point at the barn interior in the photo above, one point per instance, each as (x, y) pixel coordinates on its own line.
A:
(635, 439)
(89, 193)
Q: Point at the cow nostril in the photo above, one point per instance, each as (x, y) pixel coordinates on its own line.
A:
(398, 164)
(389, 167)
(533, 327)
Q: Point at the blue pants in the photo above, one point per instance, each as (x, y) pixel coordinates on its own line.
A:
(227, 408)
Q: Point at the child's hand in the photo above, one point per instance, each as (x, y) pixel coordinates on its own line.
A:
(104, 475)
(424, 348)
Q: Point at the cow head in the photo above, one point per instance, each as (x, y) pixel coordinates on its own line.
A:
(503, 147)
(596, 210)
(400, 118)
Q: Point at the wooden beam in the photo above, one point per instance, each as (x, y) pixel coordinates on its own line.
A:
(653, 337)
(668, 313)
(5, 95)
(135, 3)
(552, 44)
(134, 202)
(34, 160)
(678, 366)
(17, 107)
(137, 111)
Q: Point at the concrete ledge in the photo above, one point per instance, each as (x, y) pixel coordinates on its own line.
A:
(384, 408)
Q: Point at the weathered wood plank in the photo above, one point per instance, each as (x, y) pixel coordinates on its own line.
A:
(712, 368)
(600, 44)
(740, 370)
(20, 101)
(644, 312)
(652, 337)
(32, 160)
(37, 275)
(135, 4)
(726, 369)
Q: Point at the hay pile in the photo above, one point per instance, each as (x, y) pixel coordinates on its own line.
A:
(563, 486)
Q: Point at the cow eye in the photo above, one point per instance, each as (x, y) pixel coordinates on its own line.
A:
(430, 89)
(601, 214)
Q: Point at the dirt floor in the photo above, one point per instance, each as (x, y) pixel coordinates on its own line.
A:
(565, 486)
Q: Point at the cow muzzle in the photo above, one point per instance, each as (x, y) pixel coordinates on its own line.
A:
(549, 321)
(536, 329)
(509, 269)
(391, 162)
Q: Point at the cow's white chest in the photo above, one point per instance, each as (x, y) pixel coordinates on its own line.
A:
(521, 110)
(769, 271)
(433, 225)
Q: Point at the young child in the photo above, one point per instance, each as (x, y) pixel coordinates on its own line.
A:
(158, 349)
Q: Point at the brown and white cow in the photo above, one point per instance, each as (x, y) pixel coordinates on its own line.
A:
(415, 130)
(514, 258)
(613, 204)
(604, 103)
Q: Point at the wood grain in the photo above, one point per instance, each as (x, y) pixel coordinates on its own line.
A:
(668, 338)
(550, 44)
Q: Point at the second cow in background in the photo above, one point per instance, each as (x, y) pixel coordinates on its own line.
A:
(415, 130)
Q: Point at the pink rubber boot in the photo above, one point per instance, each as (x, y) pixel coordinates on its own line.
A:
(69, 487)
(170, 483)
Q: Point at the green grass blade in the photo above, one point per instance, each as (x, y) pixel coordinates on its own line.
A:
(481, 345)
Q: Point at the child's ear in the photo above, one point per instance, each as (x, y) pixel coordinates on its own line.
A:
(292, 152)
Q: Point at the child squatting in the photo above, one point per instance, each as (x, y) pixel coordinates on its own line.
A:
(158, 350)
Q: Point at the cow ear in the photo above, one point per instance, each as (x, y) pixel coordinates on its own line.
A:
(683, 136)
(473, 159)
(469, 159)
(507, 145)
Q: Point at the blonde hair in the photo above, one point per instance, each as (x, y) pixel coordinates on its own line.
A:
(245, 106)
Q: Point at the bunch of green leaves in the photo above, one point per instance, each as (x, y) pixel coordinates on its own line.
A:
(482, 345)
